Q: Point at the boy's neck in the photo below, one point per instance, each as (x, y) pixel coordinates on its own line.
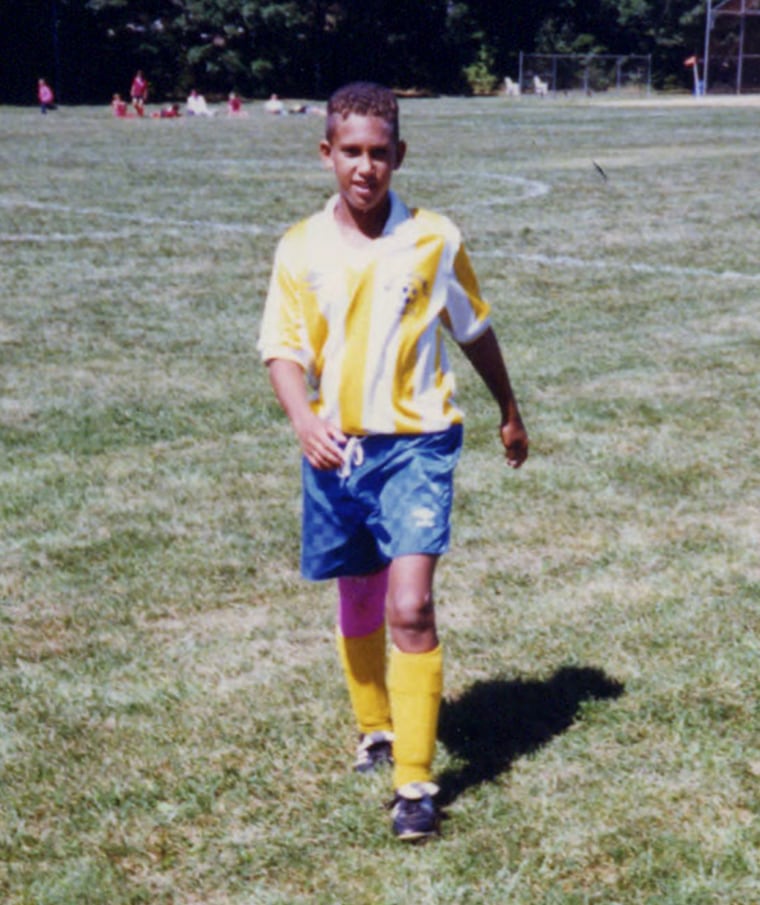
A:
(359, 227)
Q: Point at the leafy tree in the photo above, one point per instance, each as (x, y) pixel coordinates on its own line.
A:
(404, 45)
(668, 30)
(508, 28)
(90, 48)
(480, 74)
(51, 39)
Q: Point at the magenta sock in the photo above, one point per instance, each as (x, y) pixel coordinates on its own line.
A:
(361, 604)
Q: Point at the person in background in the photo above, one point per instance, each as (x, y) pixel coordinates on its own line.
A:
(274, 105)
(196, 105)
(45, 96)
(307, 109)
(235, 105)
(119, 106)
(172, 111)
(138, 92)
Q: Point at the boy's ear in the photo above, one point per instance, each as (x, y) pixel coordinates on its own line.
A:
(325, 149)
(400, 153)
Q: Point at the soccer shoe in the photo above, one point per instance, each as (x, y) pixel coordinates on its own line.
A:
(374, 750)
(414, 812)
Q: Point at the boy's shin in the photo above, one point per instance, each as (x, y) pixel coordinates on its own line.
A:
(415, 686)
(363, 661)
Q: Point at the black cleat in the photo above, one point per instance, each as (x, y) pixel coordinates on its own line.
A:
(374, 750)
(415, 813)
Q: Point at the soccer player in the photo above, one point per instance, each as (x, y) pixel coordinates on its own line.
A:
(138, 92)
(360, 297)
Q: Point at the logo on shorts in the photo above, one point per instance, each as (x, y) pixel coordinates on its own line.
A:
(423, 517)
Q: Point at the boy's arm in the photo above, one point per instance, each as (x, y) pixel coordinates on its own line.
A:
(319, 439)
(485, 356)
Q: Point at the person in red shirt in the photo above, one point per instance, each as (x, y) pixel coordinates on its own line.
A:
(45, 96)
(119, 107)
(139, 92)
(170, 112)
(235, 105)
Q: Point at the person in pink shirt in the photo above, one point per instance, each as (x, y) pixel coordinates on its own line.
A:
(139, 92)
(235, 105)
(119, 107)
(45, 96)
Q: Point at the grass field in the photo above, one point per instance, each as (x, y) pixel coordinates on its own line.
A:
(173, 726)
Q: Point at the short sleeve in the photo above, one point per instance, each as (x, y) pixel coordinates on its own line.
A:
(466, 314)
(282, 328)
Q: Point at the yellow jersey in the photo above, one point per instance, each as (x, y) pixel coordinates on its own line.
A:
(366, 325)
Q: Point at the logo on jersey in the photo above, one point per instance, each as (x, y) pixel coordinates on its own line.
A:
(415, 287)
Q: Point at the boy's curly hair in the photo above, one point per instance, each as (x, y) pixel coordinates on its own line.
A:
(365, 99)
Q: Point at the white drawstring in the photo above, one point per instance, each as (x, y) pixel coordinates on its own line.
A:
(353, 455)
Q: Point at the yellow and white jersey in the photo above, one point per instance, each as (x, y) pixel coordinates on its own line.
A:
(366, 325)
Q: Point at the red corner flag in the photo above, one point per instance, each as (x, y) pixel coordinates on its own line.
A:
(692, 61)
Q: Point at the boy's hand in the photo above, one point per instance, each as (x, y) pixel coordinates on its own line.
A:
(321, 443)
(514, 437)
(485, 356)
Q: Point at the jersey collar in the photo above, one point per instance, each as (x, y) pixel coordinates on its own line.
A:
(399, 212)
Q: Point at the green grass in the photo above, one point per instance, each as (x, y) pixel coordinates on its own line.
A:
(172, 725)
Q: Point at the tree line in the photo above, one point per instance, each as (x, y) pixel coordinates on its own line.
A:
(88, 49)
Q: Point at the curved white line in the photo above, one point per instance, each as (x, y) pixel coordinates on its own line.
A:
(652, 269)
(532, 189)
(247, 228)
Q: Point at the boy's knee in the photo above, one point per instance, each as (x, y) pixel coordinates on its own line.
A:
(361, 604)
(410, 611)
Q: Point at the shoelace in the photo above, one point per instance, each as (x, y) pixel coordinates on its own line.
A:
(353, 456)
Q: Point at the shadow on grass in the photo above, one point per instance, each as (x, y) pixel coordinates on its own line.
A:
(494, 722)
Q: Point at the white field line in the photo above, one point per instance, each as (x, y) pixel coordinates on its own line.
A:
(139, 220)
(530, 188)
(44, 239)
(635, 267)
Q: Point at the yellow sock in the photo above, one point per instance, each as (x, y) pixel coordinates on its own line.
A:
(415, 686)
(363, 661)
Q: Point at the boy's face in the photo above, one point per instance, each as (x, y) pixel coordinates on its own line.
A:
(363, 154)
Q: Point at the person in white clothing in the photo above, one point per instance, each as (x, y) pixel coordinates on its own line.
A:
(274, 105)
(197, 106)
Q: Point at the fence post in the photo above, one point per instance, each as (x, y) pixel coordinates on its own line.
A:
(520, 72)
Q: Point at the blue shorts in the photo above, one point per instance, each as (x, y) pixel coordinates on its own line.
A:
(393, 499)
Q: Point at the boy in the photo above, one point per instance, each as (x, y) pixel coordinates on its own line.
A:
(352, 337)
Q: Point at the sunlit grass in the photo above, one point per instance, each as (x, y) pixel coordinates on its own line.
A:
(173, 728)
